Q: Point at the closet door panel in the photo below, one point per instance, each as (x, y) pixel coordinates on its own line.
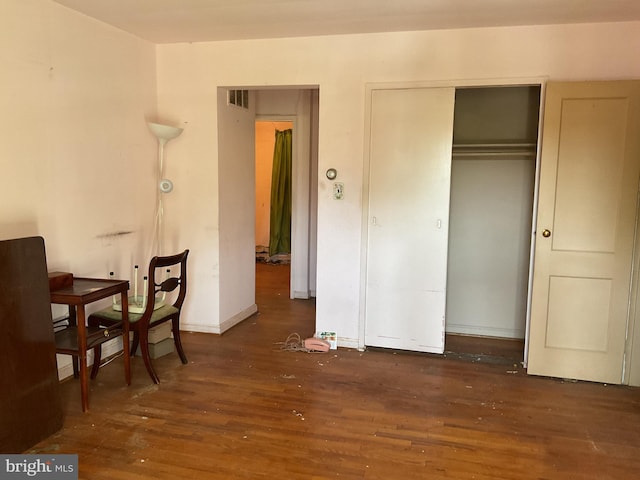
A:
(409, 183)
(586, 230)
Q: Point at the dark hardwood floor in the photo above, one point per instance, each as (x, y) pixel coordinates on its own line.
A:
(243, 408)
(484, 349)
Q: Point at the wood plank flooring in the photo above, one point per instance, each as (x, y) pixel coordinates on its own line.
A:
(244, 409)
(484, 349)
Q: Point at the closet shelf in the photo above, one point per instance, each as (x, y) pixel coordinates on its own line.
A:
(493, 150)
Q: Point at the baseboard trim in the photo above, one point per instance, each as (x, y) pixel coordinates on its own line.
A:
(348, 343)
(65, 371)
(198, 328)
(238, 317)
(223, 326)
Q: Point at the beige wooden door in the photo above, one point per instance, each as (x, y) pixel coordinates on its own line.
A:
(411, 135)
(585, 230)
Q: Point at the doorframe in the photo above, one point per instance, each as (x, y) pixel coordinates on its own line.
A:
(630, 365)
(534, 223)
(364, 227)
(630, 375)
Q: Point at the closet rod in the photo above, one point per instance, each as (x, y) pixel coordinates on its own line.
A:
(493, 145)
(494, 150)
(511, 153)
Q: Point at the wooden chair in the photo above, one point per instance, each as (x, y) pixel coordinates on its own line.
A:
(153, 314)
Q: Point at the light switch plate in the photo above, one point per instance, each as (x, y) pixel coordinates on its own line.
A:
(338, 190)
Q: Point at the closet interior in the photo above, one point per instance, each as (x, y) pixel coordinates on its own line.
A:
(495, 139)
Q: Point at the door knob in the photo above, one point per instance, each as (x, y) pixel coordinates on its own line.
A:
(546, 233)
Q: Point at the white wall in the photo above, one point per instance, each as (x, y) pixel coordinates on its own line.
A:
(188, 75)
(489, 239)
(236, 212)
(76, 155)
(81, 163)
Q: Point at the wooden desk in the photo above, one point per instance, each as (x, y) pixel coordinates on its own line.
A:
(73, 340)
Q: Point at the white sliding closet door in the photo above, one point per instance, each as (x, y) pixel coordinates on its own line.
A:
(410, 170)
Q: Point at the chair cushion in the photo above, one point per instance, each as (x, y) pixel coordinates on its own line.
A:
(114, 315)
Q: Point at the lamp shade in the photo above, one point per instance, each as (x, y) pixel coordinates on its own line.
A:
(164, 132)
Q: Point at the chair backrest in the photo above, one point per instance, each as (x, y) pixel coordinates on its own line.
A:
(160, 281)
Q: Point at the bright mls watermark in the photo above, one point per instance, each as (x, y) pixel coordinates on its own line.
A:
(52, 467)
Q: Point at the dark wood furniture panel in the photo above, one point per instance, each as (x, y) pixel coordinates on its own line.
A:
(30, 401)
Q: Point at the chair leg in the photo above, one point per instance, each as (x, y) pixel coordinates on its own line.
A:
(175, 328)
(135, 342)
(144, 349)
(97, 355)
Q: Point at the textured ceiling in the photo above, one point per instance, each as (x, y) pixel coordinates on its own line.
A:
(170, 21)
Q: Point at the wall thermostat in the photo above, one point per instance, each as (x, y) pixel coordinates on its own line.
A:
(166, 185)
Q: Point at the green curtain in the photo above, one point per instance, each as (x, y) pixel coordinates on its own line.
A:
(280, 218)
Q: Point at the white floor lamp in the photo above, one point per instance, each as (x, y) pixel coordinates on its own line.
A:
(163, 133)
(137, 303)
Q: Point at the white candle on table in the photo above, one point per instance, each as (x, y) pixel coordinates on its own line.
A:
(144, 297)
(115, 297)
(135, 284)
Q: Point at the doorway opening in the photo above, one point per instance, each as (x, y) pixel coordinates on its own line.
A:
(237, 188)
(266, 131)
(495, 137)
(280, 110)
